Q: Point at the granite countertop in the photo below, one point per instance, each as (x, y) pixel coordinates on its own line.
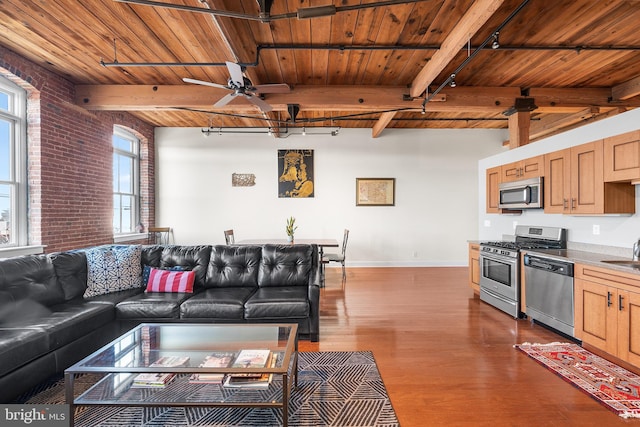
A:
(586, 257)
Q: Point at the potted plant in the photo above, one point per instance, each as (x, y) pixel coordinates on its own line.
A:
(291, 228)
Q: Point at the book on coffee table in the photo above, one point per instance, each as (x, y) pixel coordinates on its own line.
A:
(219, 359)
(251, 380)
(251, 359)
(159, 379)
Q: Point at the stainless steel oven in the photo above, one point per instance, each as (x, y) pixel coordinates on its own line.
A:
(499, 284)
(500, 264)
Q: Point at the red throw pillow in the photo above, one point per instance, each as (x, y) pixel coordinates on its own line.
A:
(170, 281)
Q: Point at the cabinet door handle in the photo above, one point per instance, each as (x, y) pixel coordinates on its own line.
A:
(620, 305)
(573, 203)
(609, 295)
(565, 203)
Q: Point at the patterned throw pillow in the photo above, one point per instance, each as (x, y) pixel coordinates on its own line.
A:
(170, 281)
(112, 268)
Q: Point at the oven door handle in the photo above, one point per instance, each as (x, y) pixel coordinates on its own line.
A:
(496, 257)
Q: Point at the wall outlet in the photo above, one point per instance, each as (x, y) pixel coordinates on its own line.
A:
(596, 229)
(415, 254)
(515, 224)
(487, 223)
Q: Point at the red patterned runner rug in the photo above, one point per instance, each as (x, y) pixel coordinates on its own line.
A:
(613, 386)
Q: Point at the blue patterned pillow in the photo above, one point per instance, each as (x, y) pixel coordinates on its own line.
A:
(112, 268)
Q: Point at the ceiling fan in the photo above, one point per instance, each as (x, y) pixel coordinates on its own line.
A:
(265, 9)
(242, 86)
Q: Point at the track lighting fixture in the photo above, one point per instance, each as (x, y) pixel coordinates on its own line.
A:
(496, 42)
(280, 132)
(452, 80)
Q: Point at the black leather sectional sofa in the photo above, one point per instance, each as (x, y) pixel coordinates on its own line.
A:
(47, 324)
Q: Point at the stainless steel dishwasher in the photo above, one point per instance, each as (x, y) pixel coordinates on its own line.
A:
(549, 292)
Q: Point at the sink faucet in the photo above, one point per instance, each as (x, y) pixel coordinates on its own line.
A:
(636, 250)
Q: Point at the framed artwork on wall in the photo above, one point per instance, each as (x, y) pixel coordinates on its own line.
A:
(375, 191)
(295, 172)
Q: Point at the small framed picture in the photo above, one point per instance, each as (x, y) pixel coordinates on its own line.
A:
(375, 191)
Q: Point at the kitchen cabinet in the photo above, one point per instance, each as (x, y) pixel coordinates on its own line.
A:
(523, 169)
(493, 190)
(574, 183)
(607, 311)
(474, 267)
(622, 157)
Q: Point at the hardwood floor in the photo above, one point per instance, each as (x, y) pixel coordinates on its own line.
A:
(447, 359)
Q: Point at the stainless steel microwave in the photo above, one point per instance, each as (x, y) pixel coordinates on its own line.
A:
(523, 194)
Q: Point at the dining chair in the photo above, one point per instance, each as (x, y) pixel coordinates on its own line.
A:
(228, 237)
(158, 235)
(339, 257)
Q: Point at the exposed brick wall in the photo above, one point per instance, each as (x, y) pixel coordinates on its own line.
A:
(70, 161)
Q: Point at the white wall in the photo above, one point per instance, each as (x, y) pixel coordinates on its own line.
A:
(436, 175)
(615, 230)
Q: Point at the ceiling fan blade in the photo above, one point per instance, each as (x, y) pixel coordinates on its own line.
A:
(273, 88)
(235, 72)
(225, 100)
(201, 82)
(258, 102)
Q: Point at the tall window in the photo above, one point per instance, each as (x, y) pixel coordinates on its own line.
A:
(13, 188)
(126, 182)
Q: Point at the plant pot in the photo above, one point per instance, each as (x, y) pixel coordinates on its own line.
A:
(290, 239)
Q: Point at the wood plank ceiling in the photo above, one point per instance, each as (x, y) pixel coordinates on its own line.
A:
(388, 66)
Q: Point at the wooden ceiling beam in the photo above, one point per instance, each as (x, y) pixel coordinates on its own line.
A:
(554, 124)
(475, 17)
(626, 90)
(342, 98)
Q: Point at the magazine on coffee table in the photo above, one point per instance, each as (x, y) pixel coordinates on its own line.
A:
(157, 379)
(251, 359)
(250, 380)
(218, 359)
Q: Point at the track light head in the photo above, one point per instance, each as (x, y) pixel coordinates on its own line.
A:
(496, 41)
(452, 80)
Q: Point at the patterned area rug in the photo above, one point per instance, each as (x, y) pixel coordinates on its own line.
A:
(614, 387)
(334, 389)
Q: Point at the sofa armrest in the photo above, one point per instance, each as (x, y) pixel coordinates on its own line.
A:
(315, 278)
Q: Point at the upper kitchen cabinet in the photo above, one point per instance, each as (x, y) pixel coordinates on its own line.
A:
(493, 191)
(622, 157)
(574, 183)
(528, 168)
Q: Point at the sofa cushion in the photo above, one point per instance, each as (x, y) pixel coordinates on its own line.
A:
(71, 271)
(30, 277)
(151, 255)
(113, 268)
(21, 312)
(71, 320)
(216, 303)
(170, 281)
(19, 346)
(152, 305)
(233, 266)
(285, 265)
(113, 298)
(190, 258)
(283, 302)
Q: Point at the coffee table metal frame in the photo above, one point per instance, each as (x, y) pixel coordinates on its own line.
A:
(105, 361)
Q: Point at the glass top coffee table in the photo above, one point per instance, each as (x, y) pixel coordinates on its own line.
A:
(192, 365)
